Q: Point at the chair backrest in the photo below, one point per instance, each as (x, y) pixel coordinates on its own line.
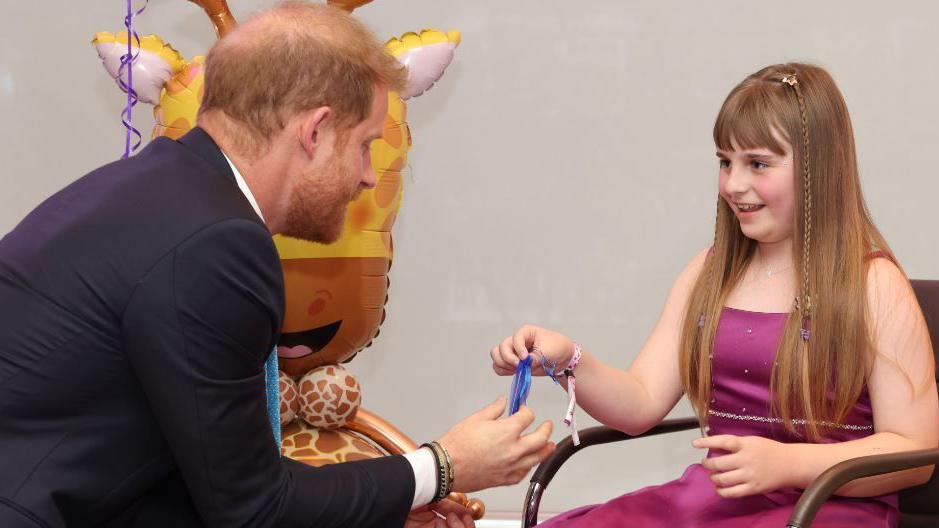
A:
(920, 505)
(927, 293)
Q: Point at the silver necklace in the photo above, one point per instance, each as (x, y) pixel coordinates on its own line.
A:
(769, 274)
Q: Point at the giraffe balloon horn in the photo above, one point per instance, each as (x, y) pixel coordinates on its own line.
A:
(347, 5)
(219, 14)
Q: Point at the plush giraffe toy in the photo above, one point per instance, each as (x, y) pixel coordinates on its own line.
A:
(335, 294)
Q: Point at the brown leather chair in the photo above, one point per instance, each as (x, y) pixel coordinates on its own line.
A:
(919, 506)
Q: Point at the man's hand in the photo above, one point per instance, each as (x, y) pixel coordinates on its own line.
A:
(488, 452)
(753, 465)
(454, 516)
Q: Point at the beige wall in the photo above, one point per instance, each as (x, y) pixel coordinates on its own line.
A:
(562, 172)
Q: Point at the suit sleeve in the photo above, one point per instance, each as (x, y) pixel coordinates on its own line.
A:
(196, 332)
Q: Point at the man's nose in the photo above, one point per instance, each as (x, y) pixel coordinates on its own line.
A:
(368, 174)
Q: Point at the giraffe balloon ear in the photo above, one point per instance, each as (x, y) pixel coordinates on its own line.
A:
(155, 64)
(426, 56)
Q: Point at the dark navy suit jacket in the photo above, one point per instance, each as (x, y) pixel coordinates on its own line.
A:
(137, 306)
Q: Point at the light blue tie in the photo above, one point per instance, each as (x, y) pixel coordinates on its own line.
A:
(272, 391)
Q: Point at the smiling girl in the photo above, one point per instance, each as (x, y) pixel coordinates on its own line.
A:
(796, 336)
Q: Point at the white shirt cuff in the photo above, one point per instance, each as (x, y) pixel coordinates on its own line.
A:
(425, 476)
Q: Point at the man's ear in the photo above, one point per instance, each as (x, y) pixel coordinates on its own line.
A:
(314, 124)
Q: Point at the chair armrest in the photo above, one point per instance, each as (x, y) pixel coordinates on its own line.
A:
(840, 474)
(597, 436)
(588, 437)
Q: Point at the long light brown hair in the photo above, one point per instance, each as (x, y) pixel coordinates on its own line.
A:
(820, 378)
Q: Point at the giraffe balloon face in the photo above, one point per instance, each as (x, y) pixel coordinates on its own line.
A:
(335, 293)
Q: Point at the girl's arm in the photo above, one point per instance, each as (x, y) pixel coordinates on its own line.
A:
(639, 398)
(633, 400)
(902, 389)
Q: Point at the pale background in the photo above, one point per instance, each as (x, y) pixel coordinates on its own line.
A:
(562, 172)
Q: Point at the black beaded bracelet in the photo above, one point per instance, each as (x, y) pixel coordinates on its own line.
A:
(443, 489)
(449, 463)
(446, 472)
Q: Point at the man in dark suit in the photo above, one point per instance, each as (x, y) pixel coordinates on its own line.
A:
(138, 305)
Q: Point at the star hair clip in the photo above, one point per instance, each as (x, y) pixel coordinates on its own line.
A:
(790, 80)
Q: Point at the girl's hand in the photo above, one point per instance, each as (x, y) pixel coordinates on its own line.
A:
(753, 465)
(554, 347)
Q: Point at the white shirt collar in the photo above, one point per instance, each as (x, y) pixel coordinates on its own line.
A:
(243, 186)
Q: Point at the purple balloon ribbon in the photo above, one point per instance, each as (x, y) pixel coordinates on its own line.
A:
(127, 62)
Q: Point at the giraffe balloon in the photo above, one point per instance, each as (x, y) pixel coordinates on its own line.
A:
(335, 294)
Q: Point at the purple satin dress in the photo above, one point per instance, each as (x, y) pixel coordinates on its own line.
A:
(744, 349)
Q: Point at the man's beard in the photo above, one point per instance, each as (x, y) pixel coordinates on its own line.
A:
(317, 208)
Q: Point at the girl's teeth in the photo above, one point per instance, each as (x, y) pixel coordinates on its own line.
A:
(749, 207)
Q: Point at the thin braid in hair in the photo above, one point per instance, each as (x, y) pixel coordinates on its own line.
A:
(709, 261)
(804, 301)
(709, 268)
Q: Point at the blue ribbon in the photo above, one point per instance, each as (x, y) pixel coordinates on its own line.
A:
(521, 383)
